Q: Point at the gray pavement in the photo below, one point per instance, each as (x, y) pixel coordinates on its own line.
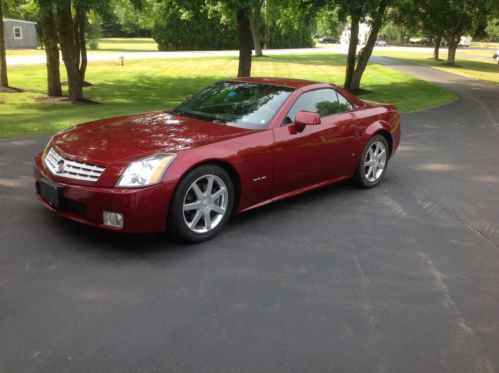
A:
(400, 278)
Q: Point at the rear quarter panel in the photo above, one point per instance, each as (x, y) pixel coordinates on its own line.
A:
(376, 118)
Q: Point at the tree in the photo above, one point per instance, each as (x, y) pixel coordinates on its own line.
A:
(328, 22)
(242, 10)
(71, 20)
(447, 19)
(69, 38)
(50, 40)
(245, 40)
(359, 10)
(13, 8)
(4, 80)
(133, 18)
(196, 28)
(377, 17)
(255, 27)
(355, 10)
(372, 11)
(459, 19)
(427, 16)
(289, 23)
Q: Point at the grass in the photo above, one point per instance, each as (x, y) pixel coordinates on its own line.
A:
(479, 44)
(24, 52)
(105, 45)
(147, 85)
(127, 45)
(487, 70)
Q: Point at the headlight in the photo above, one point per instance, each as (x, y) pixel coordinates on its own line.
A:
(147, 171)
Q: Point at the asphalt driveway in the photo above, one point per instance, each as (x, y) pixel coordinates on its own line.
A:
(400, 278)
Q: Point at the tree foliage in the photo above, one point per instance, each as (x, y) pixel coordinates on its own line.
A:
(201, 28)
(289, 24)
(328, 22)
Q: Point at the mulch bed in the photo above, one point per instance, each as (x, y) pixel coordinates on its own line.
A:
(84, 84)
(11, 90)
(360, 92)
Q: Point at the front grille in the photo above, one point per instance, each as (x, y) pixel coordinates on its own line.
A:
(61, 166)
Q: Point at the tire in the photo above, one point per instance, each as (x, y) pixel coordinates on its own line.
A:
(197, 213)
(369, 173)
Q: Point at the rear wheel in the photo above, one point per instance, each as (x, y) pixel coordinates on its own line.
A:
(202, 204)
(373, 163)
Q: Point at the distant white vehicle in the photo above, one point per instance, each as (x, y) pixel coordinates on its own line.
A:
(364, 31)
(381, 43)
(465, 41)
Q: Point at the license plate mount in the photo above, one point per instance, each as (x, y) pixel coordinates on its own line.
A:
(50, 192)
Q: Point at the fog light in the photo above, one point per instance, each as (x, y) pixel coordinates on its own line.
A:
(113, 219)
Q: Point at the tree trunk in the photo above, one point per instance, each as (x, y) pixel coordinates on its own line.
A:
(80, 42)
(451, 56)
(400, 36)
(267, 27)
(366, 53)
(255, 30)
(4, 80)
(245, 43)
(352, 49)
(436, 50)
(51, 50)
(69, 49)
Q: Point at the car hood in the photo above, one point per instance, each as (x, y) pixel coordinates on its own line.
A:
(134, 136)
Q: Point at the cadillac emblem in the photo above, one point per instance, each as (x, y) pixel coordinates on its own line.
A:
(60, 166)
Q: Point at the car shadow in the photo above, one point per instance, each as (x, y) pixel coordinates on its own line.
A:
(114, 245)
(98, 241)
(312, 197)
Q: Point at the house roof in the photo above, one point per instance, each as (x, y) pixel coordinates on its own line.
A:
(19, 20)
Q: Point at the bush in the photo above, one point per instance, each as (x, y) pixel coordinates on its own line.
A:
(178, 29)
(93, 44)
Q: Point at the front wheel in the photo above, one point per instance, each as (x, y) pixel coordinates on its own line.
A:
(373, 163)
(202, 204)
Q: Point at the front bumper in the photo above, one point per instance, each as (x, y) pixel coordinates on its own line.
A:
(144, 209)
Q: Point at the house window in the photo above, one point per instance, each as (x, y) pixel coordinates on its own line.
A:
(18, 33)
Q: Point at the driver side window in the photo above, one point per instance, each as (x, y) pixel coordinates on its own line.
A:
(323, 101)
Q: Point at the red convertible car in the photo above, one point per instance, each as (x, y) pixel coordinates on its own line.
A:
(236, 145)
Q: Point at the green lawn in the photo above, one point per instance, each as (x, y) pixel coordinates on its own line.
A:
(105, 45)
(128, 45)
(486, 70)
(146, 85)
(25, 52)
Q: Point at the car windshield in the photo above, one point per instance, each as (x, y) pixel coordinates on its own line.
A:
(239, 104)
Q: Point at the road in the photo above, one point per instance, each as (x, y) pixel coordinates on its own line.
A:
(331, 48)
(400, 278)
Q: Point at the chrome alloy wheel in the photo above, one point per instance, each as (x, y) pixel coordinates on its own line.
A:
(205, 203)
(375, 161)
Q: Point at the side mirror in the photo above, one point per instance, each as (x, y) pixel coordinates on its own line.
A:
(307, 118)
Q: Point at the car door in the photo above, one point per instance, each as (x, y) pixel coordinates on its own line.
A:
(315, 153)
